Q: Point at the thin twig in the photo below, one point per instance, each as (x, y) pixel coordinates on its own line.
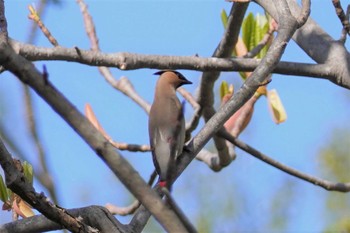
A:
(123, 211)
(343, 31)
(197, 112)
(342, 17)
(34, 15)
(44, 176)
(123, 85)
(89, 113)
(266, 38)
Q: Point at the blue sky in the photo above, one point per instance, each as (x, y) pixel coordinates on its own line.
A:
(314, 108)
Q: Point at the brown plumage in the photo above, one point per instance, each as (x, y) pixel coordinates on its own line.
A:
(166, 124)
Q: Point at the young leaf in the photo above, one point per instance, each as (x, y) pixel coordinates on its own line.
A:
(28, 171)
(223, 89)
(22, 208)
(3, 191)
(224, 18)
(248, 30)
(276, 108)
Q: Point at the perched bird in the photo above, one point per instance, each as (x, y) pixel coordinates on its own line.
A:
(166, 124)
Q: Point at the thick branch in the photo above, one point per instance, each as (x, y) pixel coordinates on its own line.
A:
(311, 37)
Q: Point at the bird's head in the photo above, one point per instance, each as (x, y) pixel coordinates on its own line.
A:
(172, 77)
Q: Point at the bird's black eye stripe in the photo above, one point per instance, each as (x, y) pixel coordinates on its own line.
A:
(180, 76)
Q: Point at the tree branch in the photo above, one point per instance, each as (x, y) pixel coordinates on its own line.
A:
(18, 184)
(132, 61)
(310, 37)
(224, 50)
(285, 31)
(94, 215)
(328, 185)
(342, 17)
(123, 85)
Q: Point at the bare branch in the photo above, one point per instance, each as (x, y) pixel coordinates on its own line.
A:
(197, 112)
(123, 85)
(3, 23)
(331, 186)
(131, 61)
(134, 206)
(305, 13)
(34, 15)
(43, 175)
(18, 184)
(95, 215)
(89, 113)
(258, 77)
(224, 50)
(310, 37)
(123, 211)
(343, 36)
(342, 17)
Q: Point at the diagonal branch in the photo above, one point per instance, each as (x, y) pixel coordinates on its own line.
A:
(286, 29)
(328, 185)
(18, 184)
(123, 85)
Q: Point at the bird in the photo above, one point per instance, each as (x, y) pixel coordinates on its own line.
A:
(166, 125)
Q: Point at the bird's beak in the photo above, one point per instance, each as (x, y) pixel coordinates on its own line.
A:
(186, 82)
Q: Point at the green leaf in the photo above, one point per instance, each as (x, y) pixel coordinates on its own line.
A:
(4, 196)
(253, 31)
(224, 18)
(223, 89)
(266, 28)
(261, 27)
(243, 75)
(28, 171)
(248, 30)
